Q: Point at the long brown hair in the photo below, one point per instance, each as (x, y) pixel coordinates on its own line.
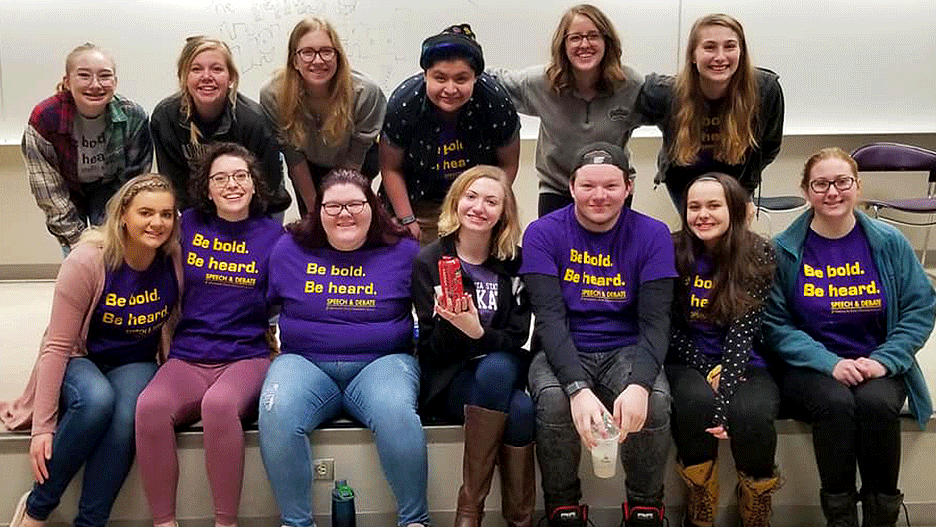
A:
(310, 233)
(193, 46)
(738, 112)
(559, 71)
(740, 260)
(293, 101)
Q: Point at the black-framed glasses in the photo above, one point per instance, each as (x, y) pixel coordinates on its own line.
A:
(220, 179)
(821, 186)
(353, 207)
(308, 54)
(575, 39)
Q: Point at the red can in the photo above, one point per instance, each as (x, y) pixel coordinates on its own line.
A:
(450, 277)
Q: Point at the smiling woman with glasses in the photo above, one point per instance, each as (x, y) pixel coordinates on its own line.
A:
(326, 114)
(219, 354)
(82, 143)
(584, 95)
(849, 309)
(342, 277)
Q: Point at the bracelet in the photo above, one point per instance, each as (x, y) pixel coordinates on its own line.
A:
(406, 220)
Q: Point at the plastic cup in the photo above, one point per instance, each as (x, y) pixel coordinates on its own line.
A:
(605, 453)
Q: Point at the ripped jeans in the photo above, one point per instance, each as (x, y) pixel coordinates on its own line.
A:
(298, 395)
(643, 454)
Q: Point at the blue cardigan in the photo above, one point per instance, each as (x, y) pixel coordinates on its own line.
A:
(910, 308)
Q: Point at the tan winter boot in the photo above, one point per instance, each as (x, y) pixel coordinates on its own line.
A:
(484, 431)
(701, 493)
(754, 501)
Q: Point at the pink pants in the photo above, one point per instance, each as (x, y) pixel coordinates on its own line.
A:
(222, 395)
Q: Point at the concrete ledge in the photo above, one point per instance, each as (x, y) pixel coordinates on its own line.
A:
(796, 504)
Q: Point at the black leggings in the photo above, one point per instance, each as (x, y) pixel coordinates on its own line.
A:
(752, 411)
(852, 425)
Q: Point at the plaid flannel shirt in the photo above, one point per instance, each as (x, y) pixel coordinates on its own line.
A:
(51, 157)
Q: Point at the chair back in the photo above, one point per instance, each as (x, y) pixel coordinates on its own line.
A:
(895, 157)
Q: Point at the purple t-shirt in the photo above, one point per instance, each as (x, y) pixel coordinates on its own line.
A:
(224, 308)
(599, 272)
(486, 290)
(349, 306)
(839, 288)
(709, 337)
(132, 309)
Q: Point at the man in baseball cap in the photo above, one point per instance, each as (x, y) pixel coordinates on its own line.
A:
(599, 358)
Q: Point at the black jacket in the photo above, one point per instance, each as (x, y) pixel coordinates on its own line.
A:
(442, 348)
(655, 105)
(246, 125)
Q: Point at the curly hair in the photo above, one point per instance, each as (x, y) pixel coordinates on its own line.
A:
(199, 182)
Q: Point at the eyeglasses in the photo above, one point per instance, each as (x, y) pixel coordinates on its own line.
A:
(353, 207)
(308, 54)
(575, 39)
(104, 78)
(821, 186)
(220, 179)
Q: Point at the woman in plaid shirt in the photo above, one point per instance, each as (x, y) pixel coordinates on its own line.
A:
(82, 143)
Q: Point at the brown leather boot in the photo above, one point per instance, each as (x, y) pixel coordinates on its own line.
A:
(484, 431)
(701, 493)
(518, 484)
(754, 501)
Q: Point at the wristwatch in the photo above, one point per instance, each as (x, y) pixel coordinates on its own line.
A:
(574, 387)
(406, 220)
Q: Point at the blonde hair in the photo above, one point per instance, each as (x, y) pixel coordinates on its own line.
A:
(737, 115)
(832, 152)
(559, 71)
(193, 47)
(293, 98)
(112, 236)
(506, 232)
(73, 54)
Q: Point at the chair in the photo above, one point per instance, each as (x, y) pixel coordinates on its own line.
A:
(774, 204)
(894, 157)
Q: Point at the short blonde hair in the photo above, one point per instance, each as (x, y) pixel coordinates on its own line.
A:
(506, 232)
(112, 236)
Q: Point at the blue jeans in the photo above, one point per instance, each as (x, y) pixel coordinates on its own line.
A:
(299, 395)
(95, 429)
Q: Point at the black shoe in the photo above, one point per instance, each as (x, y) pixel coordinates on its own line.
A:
(880, 510)
(642, 515)
(569, 516)
(840, 509)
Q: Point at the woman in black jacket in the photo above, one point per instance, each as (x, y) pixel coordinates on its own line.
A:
(473, 366)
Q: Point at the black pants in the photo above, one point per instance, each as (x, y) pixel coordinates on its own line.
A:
(369, 169)
(852, 425)
(752, 411)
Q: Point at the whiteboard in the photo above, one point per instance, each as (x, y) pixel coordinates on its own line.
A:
(382, 39)
(846, 66)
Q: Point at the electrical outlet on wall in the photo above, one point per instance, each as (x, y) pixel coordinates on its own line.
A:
(323, 469)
